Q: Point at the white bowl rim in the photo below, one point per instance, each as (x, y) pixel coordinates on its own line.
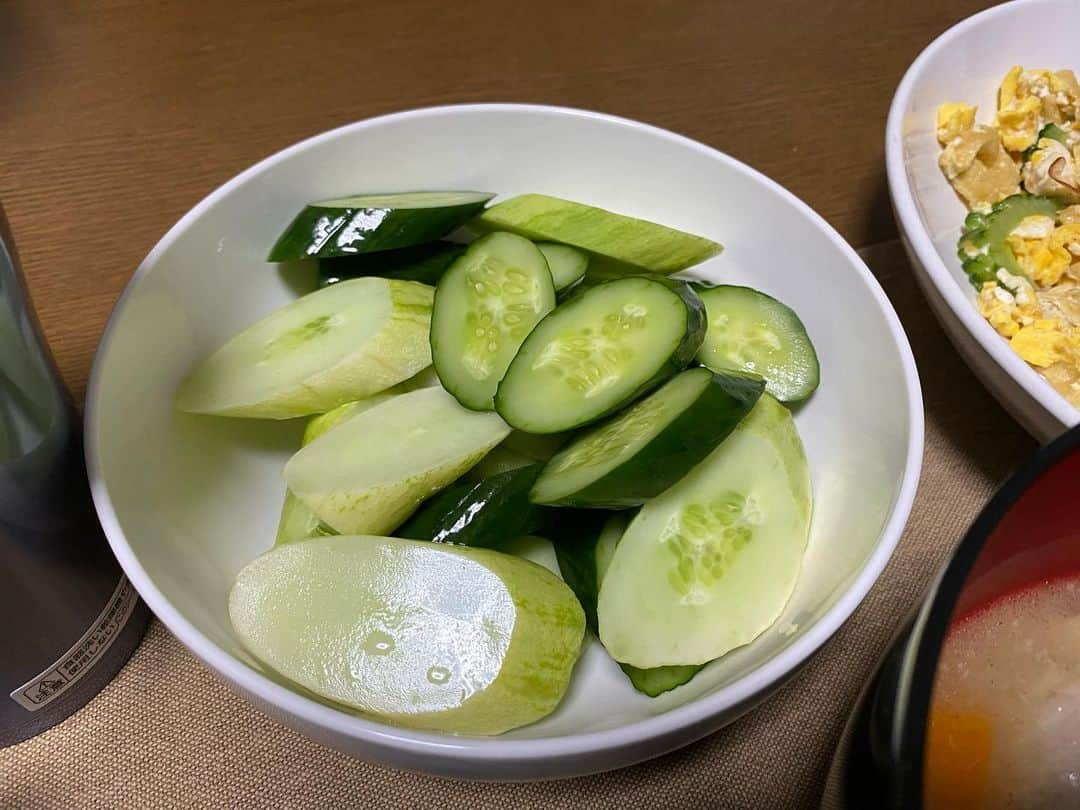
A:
(903, 200)
(497, 749)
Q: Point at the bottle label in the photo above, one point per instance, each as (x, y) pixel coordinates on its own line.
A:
(43, 689)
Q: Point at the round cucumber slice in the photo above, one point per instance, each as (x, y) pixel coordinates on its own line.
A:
(600, 350)
(751, 331)
(367, 223)
(418, 634)
(485, 306)
(371, 471)
(567, 264)
(333, 346)
(643, 450)
(709, 565)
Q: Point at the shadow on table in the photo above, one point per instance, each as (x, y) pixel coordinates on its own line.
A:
(955, 400)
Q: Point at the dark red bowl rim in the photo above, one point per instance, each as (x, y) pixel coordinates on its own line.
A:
(912, 706)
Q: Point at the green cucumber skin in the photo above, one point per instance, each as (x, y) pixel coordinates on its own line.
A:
(630, 240)
(673, 452)
(487, 513)
(424, 263)
(679, 359)
(657, 680)
(397, 228)
(575, 551)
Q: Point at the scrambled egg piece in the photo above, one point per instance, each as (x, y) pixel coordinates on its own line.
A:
(1062, 303)
(1066, 92)
(1042, 261)
(1006, 311)
(952, 120)
(1028, 96)
(978, 167)
(1041, 343)
(1019, 108)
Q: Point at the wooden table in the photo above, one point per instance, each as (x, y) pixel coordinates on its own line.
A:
(120, 115)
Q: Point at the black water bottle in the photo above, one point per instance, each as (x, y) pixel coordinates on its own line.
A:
(69, 619)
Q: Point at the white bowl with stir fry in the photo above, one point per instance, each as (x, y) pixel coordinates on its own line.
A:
(457, 645)
(982, 149)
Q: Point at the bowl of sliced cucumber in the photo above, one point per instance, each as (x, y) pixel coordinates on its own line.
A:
(503, 441)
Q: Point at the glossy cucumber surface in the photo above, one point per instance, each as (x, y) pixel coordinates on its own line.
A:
(368, 223)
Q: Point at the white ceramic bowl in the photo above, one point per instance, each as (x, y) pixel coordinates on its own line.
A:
(187, 501)
(967, 63)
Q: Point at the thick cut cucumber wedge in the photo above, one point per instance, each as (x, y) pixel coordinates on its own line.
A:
(297, 521)
(626, 239)
(753, 332)
(370, 473)
(423, 263)
(645, 449)
(373, 222)
(599, 351)
(485, 306)
(333, 346)
(488, 513)
(422, 635)
(583, 559)
(567, 264)
(709, 565)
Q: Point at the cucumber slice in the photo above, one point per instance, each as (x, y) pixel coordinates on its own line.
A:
(583, 562)
(537, 446)
(485, 306)
(657, 680)
(709, 565)
(751, 331)
(297, 521)
(599, 351)
(333, 346)
(423, 263)
(501, 459)
(583, 550)
(567, 264)
(645, 449)
(422, 635)
(373, 222)
(423, 379)
(626, 239)
(487, 513)
(602, 269)
(371, 472)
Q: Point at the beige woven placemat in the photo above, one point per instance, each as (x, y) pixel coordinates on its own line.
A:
(166, 733)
